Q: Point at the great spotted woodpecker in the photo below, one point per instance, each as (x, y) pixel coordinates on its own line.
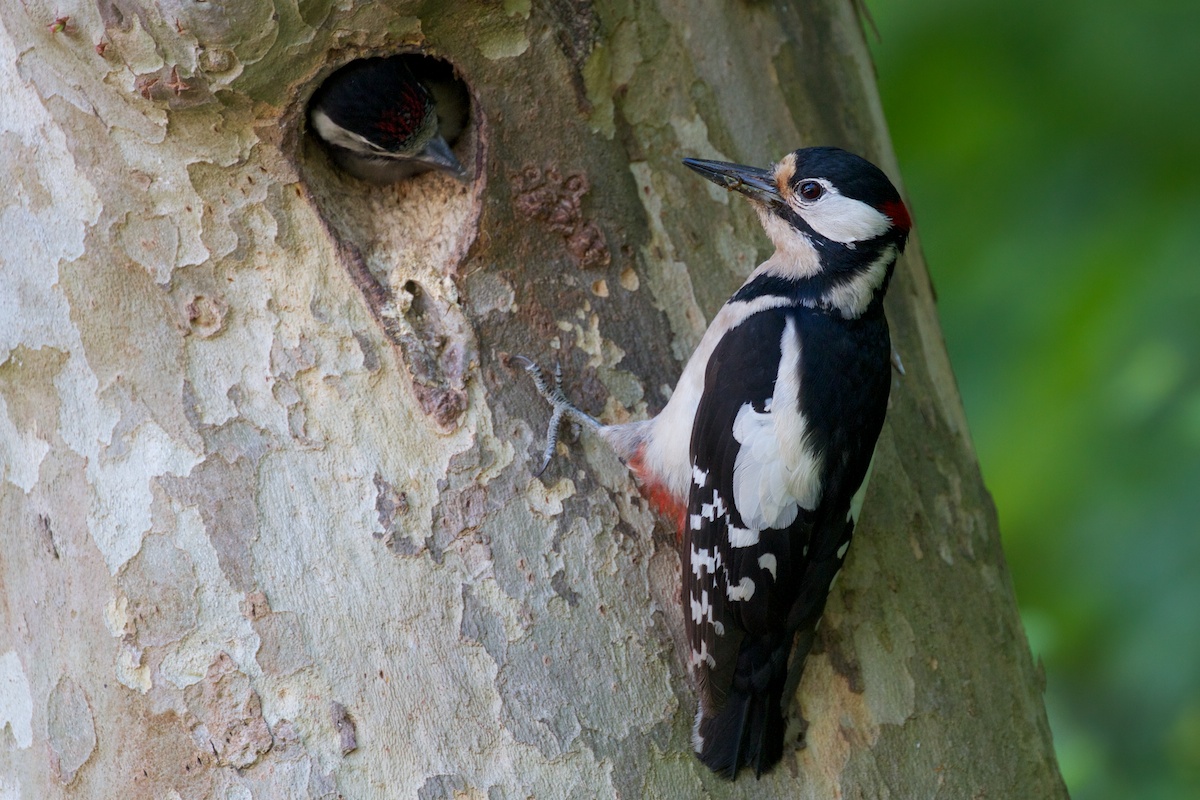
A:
(381, 122)
(763, 450)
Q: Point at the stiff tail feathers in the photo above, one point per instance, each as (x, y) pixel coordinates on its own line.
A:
(748, 730)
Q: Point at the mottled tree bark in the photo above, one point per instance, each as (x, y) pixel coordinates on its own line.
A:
(269, 522)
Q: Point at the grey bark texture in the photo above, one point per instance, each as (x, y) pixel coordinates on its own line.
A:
(269, 524)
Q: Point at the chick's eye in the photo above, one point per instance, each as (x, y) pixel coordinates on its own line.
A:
(811, 190)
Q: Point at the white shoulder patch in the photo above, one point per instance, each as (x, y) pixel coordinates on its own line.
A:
(776, 473)
(667, 436)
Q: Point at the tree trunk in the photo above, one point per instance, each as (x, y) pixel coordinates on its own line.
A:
(270, 527)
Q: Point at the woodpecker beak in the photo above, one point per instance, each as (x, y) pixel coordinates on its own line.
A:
(757, 184)
(437, 154)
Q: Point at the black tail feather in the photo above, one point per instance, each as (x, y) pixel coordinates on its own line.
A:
(748, 730)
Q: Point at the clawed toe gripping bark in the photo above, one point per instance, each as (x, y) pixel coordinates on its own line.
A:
(562, 407)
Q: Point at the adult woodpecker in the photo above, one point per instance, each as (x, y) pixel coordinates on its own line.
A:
(382, 123)
(763, 450)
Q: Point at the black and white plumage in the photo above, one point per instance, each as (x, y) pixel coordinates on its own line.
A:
(768, 436)
(385, 119)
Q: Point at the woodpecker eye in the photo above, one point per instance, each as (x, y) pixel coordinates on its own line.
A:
(811, 190)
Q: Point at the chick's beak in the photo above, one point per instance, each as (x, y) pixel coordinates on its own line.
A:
(438, 155)
(756, 183)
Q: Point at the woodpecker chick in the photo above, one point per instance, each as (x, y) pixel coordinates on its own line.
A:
(382, 123)
(762, 452)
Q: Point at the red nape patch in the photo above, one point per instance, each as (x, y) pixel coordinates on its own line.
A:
(897, 212)
(397, 123)
(661, 499)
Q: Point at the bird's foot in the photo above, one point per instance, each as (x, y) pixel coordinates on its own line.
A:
(897, 364)
(562, 407)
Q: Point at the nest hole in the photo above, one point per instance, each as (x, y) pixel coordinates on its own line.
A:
(385, 119)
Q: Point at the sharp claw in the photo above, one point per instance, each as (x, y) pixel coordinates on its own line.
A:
(558, 402)
(896, 362)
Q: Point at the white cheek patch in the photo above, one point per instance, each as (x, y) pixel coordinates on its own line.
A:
(842, 219)
(335, 134)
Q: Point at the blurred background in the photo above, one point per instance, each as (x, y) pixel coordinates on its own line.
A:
(1051, 152)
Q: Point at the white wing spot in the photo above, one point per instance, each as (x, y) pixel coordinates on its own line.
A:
(702, 656)
(708, 512)
(701, 611)
(718, 504)
(743, 591)
(767, 561)
(694, 520)
(842, 550)
(699, 476)
(704, 560)
(718, 627)
(742, 537)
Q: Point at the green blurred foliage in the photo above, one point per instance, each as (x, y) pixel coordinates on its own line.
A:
(1051, 152)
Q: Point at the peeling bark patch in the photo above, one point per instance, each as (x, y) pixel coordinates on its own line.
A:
(370, 354)
(463, 506)
(460, 511)
(47, 536)
(558, 582)
(391, 506)
(481, 624)
(282, 649)
(30, 398)
(206, 315)
(16, 702)
(69, 729)
(536, 711)
(160, 585)
(223, 488)
(443, 787)
(843, 659)
(230, 714)
(347, 734)
(255, 606)
(546, 196)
